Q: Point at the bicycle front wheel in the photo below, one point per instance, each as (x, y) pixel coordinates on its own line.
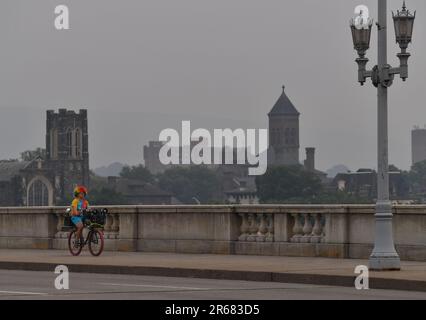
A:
(96, 242)
(74, 249)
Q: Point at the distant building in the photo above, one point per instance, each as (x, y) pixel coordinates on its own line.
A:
(418, 145)
(363, 183)
(309, 165)
(50, 177)
(284, 148)
(138, 192)
(283, 133)
(283, 138)
(153, 164)
(335, 170)
(244, 191)
(151, 157)
(11, 186)
(236, 185)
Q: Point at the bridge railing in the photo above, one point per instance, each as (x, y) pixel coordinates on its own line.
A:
(339, 231)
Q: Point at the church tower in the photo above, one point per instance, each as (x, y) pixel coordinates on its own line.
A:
(283, 133)
(67, 150)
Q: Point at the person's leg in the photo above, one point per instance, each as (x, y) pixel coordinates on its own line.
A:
(79, 225)
(79, 232)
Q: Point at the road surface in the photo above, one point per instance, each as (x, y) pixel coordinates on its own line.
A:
(40, 285)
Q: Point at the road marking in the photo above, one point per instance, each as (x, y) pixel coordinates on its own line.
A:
(23, 293)
(150, 286)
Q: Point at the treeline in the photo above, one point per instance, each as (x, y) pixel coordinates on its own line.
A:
(193, 184)
(280, 184)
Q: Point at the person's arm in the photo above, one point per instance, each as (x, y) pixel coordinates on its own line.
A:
(74, 210)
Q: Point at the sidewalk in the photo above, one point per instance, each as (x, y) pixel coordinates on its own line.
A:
(321, 271)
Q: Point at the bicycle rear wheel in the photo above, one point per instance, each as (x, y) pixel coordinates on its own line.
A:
(96, 242)
(74, 250)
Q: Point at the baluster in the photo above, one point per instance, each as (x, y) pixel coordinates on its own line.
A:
(270, 228)
(244, 227)
(317, 230)
(307, 228)
(297, 228)
(262, 228)
(253, 227)
(323, 219)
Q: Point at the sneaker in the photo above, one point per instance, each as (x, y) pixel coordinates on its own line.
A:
(77, 244)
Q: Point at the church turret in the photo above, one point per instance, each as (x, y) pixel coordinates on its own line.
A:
(284, 132)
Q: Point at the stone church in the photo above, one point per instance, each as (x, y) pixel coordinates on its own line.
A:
(49, 179)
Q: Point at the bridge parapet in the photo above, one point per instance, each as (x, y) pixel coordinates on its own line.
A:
(339, 231)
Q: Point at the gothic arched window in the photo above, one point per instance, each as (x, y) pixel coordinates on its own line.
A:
(38, 194)
(69, 143)
(78, 143)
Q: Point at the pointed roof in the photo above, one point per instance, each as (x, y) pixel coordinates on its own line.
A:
(284, 106)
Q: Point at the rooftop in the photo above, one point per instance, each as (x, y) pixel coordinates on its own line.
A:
(284, 106)
(11, 168)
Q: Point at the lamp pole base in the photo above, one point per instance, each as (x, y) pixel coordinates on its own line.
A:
(385, 262)
(384, 256)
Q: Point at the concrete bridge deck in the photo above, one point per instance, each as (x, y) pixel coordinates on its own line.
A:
(322, 271)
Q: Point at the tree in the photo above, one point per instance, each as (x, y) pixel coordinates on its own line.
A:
(191, 184)
(393, 168)
(288, 184)
(30, 155)
(137, 173)
(417, 177)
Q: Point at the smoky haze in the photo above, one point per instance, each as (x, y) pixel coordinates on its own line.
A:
(140, 66)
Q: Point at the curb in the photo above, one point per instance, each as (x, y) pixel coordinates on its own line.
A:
(259, 276)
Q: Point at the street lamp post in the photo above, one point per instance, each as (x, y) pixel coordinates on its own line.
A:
(384, 255)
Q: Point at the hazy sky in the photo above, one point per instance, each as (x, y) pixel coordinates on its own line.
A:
(141, 66)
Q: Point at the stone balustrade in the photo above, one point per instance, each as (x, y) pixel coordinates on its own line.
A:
(307, 228)
(256, 227)
(339, 231)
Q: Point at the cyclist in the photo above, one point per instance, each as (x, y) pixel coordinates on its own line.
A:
(78, 205)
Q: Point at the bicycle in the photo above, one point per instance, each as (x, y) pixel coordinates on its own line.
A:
(94, 221)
